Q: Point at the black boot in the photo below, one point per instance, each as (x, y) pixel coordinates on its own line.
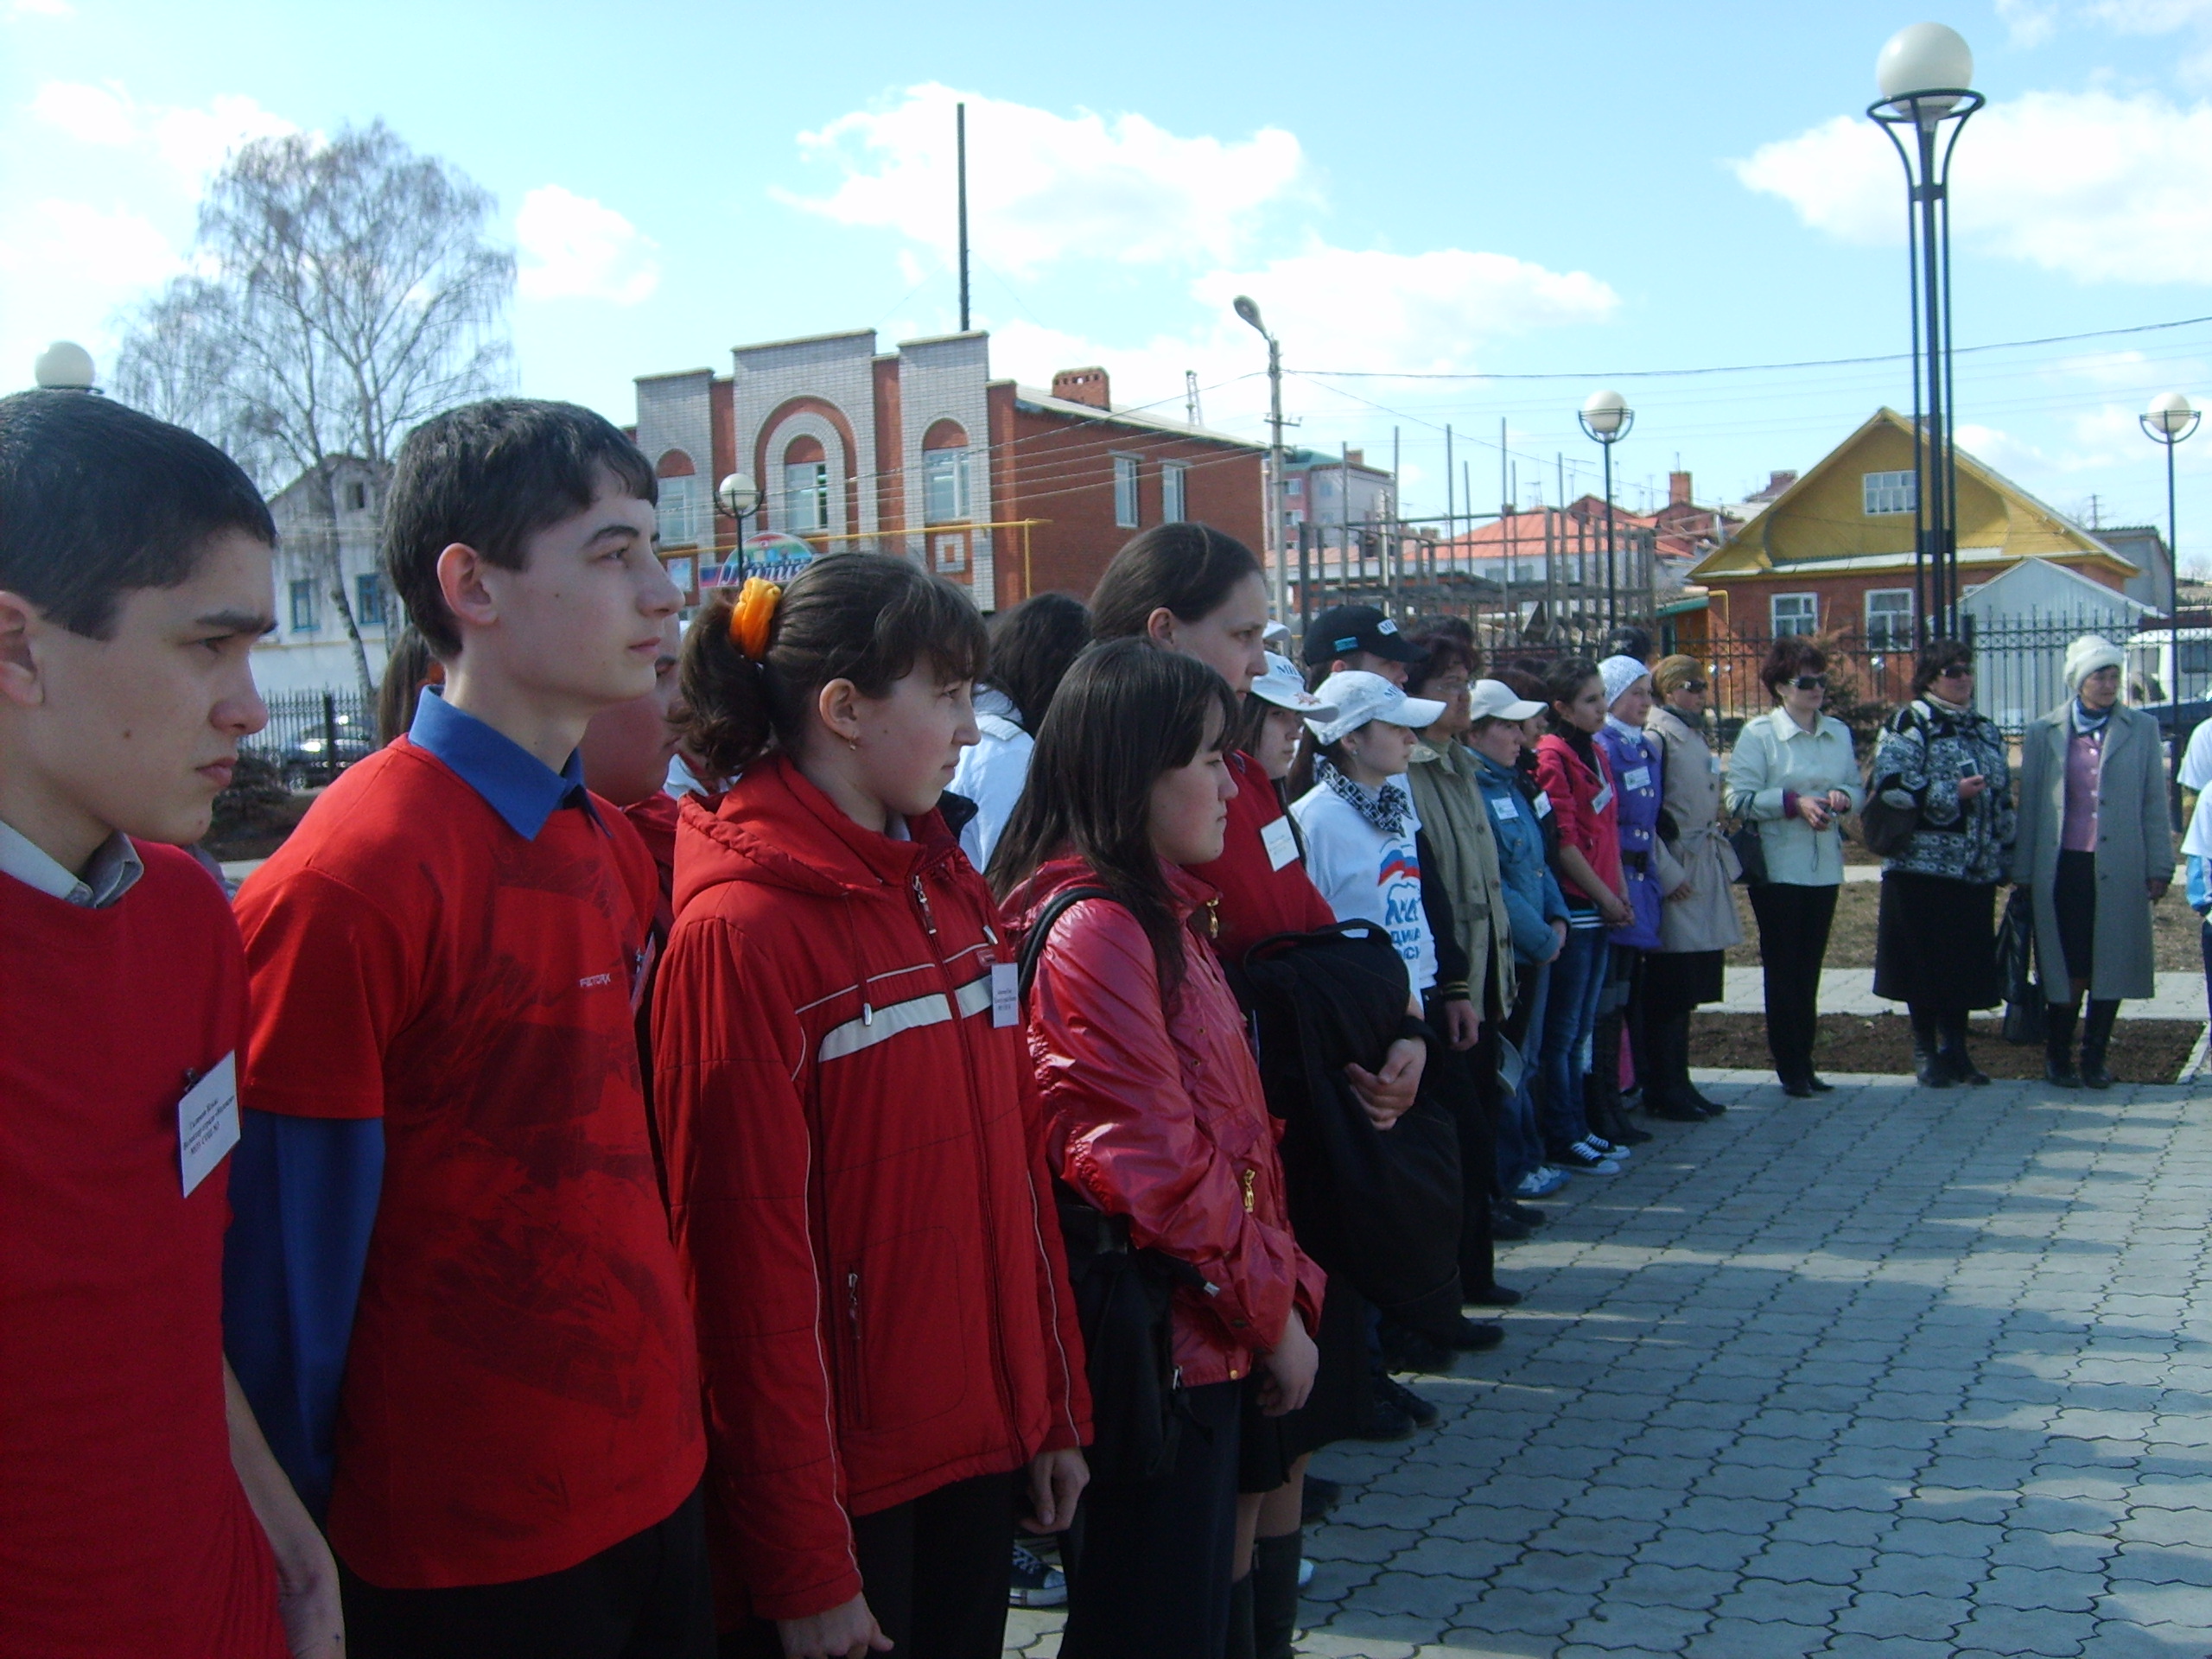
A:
(1274, 1594)
(1601, 1090)
(1239, 1644)
(2058, 1044)
(1927, 1049)
(1957, 1060)
(1669, 1094)
(2096, 1038)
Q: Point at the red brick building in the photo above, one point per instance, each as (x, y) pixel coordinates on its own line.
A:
(1005, 489)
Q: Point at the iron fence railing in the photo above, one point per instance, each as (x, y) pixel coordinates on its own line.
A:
(312, 736)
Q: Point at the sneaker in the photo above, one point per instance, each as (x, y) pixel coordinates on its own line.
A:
(1539, 1183)
(1606, 1149)
(1584, 1158)
(1036, 1581)
(1421, 1412)
(1305, 1571)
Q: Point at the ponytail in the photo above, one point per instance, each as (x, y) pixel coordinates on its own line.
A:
(868, 618)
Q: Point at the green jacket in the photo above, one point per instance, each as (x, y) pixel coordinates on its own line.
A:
(1449, 803)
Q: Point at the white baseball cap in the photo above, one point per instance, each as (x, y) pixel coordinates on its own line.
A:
(1359, 696)
(1495, 700)
(1276, 633)
(1283, 686)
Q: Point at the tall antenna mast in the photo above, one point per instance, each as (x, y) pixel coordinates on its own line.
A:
(1191, 398)
(959, 136)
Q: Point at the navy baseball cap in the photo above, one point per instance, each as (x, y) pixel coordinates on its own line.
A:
(1343, 629)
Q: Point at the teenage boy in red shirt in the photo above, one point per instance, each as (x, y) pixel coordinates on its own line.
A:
(451, 1288)
(140, 1510)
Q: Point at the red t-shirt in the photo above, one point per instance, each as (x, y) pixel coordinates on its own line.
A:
(1260, 894)
(123, 1531)
(521, 1390)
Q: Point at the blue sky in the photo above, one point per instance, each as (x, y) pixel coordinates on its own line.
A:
(1586, 192)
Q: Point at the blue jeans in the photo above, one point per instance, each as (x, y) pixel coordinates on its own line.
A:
(1577, 984)
(1519, 1144)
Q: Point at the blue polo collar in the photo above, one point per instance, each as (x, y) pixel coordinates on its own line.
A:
(514, 783)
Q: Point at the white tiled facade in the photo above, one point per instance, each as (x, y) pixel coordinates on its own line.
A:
(943, 381)
(675, 412)
(834, 369)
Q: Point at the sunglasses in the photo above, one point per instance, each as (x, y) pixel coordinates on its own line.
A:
(1810, 681)
(1958, 671)
(1691, 686)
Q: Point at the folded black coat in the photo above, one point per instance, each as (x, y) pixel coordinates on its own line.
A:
(1379, 1207)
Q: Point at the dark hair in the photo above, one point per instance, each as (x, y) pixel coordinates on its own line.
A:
(1626, 641)
(1187, 568)
(1934, 657)
(407, 669)
(1563, 682)
(1457, 627)
(97, 499)
(1446, 651)
(1790, 655)
(491, 476)
(868, 618)
(1032, 646)
(1128, 713)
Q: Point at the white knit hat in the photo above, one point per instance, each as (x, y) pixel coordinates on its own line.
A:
(2087, 655)
(1619, 673)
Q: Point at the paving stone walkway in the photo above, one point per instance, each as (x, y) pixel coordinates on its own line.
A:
(1892, 1373)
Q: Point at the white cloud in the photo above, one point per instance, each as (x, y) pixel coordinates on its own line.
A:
(2098, 185)
(1044, 186)
(193, 142)
(574, 247)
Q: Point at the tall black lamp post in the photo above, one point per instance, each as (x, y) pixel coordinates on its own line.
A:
(1922, 74)
(1606, 416)
(2168, 421)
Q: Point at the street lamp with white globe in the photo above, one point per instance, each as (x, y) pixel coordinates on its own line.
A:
(2170, 419)
(64, 366)
(1606, 417)
(738, 496)
(1923, 73)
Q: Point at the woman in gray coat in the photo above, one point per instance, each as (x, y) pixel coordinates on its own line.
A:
(1698, 922)
(2096, 853)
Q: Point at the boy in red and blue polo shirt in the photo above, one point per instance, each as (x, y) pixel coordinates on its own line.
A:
(450, 1278)
(140, 1510)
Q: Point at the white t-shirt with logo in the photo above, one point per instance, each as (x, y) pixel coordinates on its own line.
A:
(1367, 875)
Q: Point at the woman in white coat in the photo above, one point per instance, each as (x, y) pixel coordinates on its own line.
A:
(2097, 851)
(1698, 922)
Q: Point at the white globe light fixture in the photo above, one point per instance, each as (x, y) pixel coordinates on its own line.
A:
(64, 366)
(1925, 74)
(2170, 417)
(1606, 417)
(739, 495)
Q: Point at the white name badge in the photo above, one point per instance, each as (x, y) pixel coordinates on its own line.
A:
(1636, 777)
(1714, 760)
(208, 1122)
(1502, 807)
(1543, 805)
(1280, 842)
(1602, 800)
(1006, 994)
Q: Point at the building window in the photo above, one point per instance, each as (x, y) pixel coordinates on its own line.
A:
(1174, 503)
(304, 607)
(806, 495)
(685, 514)
(1795, 613)
(368, 600)
(944, 486)
(1125, 492)
(1889, 618)
(357, 497)
(1887, 492)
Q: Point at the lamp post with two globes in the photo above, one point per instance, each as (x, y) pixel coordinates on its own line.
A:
(1922, 74)
(1606, 417)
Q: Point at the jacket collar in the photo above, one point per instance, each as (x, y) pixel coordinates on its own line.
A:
(1785, 728)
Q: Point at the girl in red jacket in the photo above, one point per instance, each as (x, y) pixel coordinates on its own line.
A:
(1156, 1114)
(854, 1146)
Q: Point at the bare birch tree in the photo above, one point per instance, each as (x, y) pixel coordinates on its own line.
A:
(342, 291)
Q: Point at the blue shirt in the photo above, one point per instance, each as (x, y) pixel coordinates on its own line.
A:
(1533, 898)
(304, 1190)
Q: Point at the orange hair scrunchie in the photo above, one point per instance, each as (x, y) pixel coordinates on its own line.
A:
(749, 618)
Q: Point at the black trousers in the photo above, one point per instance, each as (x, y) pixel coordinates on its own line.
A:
(1467, 1080)
(645, 1598)
(1794, 924)
(934, 1571)
(1149, 1577)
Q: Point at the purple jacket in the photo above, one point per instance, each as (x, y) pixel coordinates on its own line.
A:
(1635, 763)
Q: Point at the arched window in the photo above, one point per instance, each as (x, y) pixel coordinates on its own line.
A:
(806, 485)
(686, 515)
(945, 474)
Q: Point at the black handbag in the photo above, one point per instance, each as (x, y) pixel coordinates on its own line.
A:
(1750, 855)
(2016, 954)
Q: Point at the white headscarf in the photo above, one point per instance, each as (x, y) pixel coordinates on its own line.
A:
(1619, 673)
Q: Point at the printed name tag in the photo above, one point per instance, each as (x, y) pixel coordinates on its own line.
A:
(1280, 842)
(1602, 800)
(1006, 994)
(1543, 806)
(1636, 777)
(1714, 760)
(208, 1122)
(1502, 808)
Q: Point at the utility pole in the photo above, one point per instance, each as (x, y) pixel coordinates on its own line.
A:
(1397, 553)
(1191, 396)
(960, 144)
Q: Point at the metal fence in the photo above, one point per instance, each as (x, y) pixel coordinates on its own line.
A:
(312, 736)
